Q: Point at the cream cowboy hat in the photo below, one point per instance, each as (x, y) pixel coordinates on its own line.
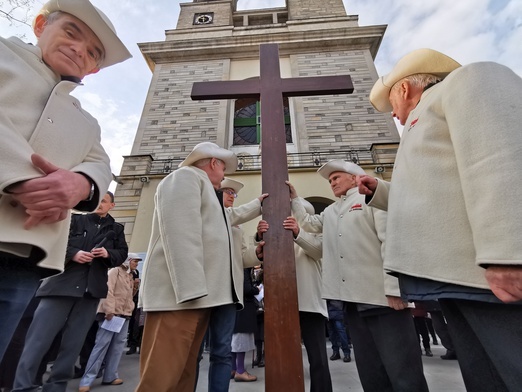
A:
(232, 184)
(340, 165)
(98, 22)
(211, 150)
(420, 61)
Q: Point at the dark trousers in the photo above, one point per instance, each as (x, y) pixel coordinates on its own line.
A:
(488, 342)
(314, 339)
(88, 345)
(19, 280)
(386, 350)
(441, 328)
(422, 330)
(74, 316)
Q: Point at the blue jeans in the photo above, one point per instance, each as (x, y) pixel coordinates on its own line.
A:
(19, 280)
(221, 326)
(338, 336)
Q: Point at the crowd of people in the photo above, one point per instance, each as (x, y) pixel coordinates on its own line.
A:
(437, 238)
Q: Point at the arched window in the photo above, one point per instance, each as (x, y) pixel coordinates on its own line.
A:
(247, 122)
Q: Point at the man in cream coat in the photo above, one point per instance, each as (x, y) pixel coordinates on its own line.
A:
(51, 156)
(453, 206)
(223, 318)
(387, 352)
(189, 269)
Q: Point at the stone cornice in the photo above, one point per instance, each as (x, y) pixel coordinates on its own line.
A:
(246, 45)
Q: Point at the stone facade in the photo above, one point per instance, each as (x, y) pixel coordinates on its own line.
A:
(306, 9)
(315, 38)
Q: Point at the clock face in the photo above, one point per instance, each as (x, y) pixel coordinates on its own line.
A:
(206, 18)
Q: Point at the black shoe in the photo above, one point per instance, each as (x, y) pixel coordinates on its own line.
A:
(449, 355)
(436, 342)
(261, 362)
(132, 350)
(335, 356)
(428, 352)
(347, 358)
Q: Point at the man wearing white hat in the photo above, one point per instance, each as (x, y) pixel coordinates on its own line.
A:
(382, 330)
(51, 156)
(188, 270)
(223, 318)
(453, 207)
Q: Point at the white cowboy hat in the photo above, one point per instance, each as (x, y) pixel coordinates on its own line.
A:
(232, 184)
(98, 22)
(340, 165)
(420, 61)
(211, 150)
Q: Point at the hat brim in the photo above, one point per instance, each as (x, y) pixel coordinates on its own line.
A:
(339, 165)
(420, 61)
(232, 184)
(98, 22)
(211, 150)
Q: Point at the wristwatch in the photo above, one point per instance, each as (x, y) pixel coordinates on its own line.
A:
(91, 192)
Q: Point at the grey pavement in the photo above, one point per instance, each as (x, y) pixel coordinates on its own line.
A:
(442, 376)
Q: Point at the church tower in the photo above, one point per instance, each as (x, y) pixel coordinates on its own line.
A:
(213, 41)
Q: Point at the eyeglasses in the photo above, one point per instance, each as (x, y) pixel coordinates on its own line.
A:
(231, 193)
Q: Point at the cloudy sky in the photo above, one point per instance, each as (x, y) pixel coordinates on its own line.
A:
(468, 31)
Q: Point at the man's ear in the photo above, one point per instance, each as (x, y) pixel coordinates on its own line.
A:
(93, 71)
(39, 25)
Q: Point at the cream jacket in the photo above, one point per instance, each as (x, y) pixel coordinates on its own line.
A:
(119, 298)
(454, 200)
(308, 252)
(353, 245)
(239, 215)
(189, 262)
(38, 114)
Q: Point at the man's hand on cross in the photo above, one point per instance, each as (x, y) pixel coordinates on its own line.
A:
(293, 192)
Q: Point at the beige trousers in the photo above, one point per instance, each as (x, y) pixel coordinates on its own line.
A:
(169, 350)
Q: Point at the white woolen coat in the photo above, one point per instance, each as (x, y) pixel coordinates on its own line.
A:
(454, 200)
(308, 251)
(37, 115)
(189, 263)
(353, 245)
(238, 215)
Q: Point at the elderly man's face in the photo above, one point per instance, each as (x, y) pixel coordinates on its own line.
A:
(399, 105)
(69, 47)
(133, 264)
(341, 182)
(216, 172)
(404, 97)
(229, 195)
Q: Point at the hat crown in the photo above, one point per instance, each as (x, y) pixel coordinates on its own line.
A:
(420, 61)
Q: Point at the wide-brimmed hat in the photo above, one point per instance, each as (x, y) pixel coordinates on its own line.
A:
(98, 22)
(232, 184)
(340, 165)
(420, 61)
(211, 150)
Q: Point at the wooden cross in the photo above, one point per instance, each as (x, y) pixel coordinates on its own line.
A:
(284, 365)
